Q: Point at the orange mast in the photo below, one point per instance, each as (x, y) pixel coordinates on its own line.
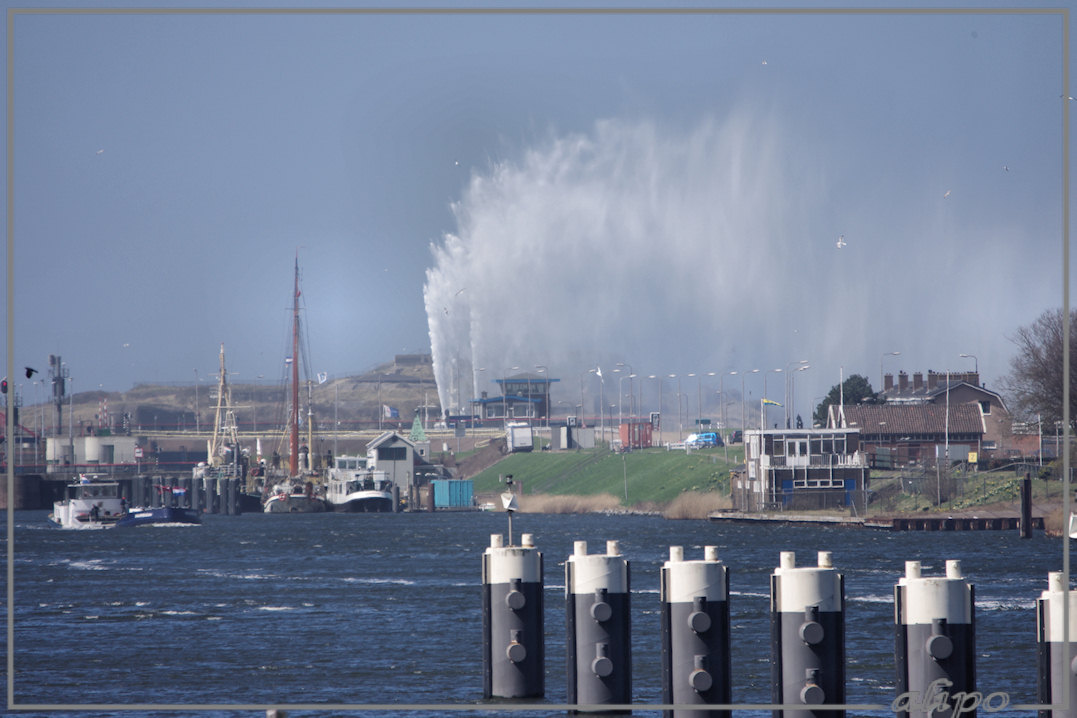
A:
(293, 417)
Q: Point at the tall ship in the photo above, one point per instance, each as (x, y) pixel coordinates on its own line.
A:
(295, 493)
(353, 487)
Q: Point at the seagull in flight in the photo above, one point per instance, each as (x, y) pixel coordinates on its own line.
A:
(841, 241)
(946, 195)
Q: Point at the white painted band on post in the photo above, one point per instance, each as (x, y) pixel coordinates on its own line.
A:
(1053, 626)
(929, 599)
(590, 573)
(688, 580)
(799, 588)
(514, 562)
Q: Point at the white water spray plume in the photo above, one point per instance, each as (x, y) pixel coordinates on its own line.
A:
(701, 249)
(631, 244)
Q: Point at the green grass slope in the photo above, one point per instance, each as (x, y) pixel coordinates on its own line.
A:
(651, 475)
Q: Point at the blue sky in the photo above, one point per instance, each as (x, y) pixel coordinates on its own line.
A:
(562, 190)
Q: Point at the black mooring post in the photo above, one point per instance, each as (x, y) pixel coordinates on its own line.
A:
(1026, 506)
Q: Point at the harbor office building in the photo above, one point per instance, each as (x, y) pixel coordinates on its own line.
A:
(801, 469)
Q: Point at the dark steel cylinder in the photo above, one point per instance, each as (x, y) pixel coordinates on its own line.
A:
(598, 642)
(512, 620)
(696, 663)
(807, 619)
(935, 643)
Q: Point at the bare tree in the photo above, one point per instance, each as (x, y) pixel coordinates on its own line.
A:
(1034, 383)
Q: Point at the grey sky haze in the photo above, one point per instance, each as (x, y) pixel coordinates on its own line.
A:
(665, 191)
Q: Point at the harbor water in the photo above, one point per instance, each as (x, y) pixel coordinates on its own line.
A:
(385, 610)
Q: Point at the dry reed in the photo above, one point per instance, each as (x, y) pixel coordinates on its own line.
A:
(696, 505)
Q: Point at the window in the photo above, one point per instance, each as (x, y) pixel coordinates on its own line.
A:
(392, 453)
(985, 407)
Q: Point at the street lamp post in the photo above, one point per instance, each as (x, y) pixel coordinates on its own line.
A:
(197, 428)
(793, 388)
(788, 374)
(743, 404)
(976, 363)
(631, 374)
(659, 427)
(543, 369)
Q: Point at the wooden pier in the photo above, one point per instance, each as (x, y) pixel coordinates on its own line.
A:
(988, 521)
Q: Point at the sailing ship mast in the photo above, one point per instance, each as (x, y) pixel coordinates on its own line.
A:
(225, 432)
(293, 416)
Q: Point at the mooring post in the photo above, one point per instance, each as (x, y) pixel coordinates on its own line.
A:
(599, 641)
(512, 620)
(935, 642)
(696, 662)
(1056, 668)
(1026, 506)
(807, 618)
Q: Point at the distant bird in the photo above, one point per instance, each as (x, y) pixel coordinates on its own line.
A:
(841, 241)
(100, 152)
(1005, 168)
(946, 195)
(30, 372)
(764, 62)
(458, 292)
(1069, 98)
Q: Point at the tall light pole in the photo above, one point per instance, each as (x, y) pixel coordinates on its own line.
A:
(659, 427)
(788, 374)
(631, 375)
(543, 369)
(196, 426)
(621, 396)
(881, 377)
(793, 392)
(976, 364)
(686, 405)
(743, 405)
(680, 426)
(762, 404)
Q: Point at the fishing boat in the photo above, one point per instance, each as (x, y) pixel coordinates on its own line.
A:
(159, 515)
(89, 504)
(296, 493)
(293, 496)
(354, 488)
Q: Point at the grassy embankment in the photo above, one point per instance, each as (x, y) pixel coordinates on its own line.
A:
(681, 485)
(677, 484)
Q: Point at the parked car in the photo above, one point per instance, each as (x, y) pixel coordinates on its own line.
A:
(708, 438)
(736, 437)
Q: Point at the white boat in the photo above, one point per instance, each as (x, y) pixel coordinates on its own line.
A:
(354, 488)
(89, 504)
(293, 497)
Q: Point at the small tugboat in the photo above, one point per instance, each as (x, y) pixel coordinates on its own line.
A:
(89, 504)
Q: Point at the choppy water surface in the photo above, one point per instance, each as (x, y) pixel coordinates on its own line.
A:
(384, 609)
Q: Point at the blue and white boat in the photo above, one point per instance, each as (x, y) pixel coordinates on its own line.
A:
(158, 515)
